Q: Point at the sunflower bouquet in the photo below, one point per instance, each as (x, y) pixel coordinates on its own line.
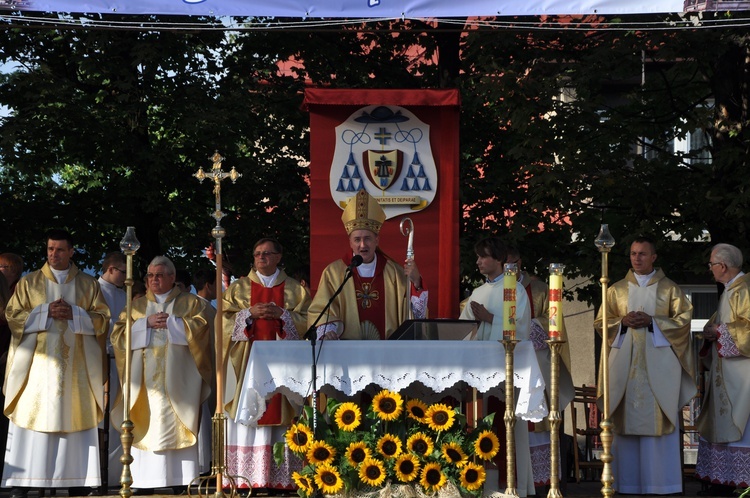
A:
(395, 445)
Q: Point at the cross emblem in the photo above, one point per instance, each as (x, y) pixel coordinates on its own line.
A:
(367, 295)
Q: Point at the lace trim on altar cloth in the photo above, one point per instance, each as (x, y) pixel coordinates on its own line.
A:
(722, 464)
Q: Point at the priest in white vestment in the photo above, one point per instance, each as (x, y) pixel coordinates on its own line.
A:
(486, 305)
(54, 384)
(724, 420)
(651, 374)
(171, 373)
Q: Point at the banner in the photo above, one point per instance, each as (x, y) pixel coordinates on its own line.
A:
(402, 147)
(391, 9)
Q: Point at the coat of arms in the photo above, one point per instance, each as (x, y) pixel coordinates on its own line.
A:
(386, 151)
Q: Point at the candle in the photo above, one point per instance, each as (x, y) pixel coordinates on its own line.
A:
(555, 300)
(509, 301)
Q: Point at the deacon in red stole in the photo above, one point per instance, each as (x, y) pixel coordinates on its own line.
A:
(381, 295)
(268, 305)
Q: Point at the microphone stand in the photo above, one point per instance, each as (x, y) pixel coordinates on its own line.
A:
(313, 336)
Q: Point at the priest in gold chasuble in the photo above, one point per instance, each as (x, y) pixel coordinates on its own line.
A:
(54, 380)
(171, 374)
(651, 374)
(381, 295)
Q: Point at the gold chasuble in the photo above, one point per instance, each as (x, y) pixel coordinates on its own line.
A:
(169, 381)
(54, 378)
(392, 302)
(651, 373)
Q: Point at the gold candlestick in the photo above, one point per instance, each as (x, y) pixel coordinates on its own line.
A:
(604, 242)
(218, 422)
(129, 245)
(554, 418)
(555, 343)
(510, 419)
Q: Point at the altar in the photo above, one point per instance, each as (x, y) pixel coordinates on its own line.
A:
(416, 368)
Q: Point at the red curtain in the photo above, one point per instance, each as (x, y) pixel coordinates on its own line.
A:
(435, 227)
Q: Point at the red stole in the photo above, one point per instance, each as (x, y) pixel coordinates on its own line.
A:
(370, 292)
(264, 329)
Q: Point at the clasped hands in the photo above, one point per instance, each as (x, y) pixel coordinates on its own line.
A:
(268, 311)
(158, 320)
(60, 310)
(637, 320)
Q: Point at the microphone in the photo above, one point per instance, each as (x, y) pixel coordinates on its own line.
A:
(356, 261)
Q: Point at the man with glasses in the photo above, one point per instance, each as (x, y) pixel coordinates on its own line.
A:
(268, 305)
(724, 420)
(171, 376)
(651, 374)
(111, 282)
(382, 293)
(54, 394)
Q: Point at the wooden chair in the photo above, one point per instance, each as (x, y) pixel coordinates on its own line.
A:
(585, 401)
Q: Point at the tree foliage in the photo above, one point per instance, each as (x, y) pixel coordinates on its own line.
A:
(561, 130)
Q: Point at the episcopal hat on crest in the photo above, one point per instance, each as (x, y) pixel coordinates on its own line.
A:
(362, 212)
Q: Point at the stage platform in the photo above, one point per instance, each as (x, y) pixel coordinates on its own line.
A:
(584, 489)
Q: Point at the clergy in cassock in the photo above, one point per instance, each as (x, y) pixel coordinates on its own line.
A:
(383, 294)
(724, 420)
(486, 305)
(170, 377)
(651, 374)
(268, 305)
(54, 394)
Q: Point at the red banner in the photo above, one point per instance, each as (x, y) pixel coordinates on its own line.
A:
(423, 124)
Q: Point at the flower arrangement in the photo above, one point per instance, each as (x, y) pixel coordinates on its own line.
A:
(427, 447)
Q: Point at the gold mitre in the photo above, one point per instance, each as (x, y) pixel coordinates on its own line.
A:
(362, 212)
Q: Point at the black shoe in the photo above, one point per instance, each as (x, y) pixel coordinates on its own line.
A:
(178, 490)
(143, 491)
(18, 492)
(83, 491)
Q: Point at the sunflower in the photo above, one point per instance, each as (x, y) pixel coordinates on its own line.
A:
(407, 467)
(416, 409)
(328, 479)
(389, 446)
(487, 445)
(320, 452)
(420, 444)
(439, 417)
(432, 478)
(357, 452)
(473, 476)
(372, 472)
(298, 438)
(303, 483)
(387, 405)
(453, 453)
(348, 417)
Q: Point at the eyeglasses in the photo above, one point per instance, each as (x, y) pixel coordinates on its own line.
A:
(156, 275)
(4, 267)
(710, 264)
(116, 268)
(265, 254)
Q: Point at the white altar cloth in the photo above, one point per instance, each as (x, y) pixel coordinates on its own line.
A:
(348, 367)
